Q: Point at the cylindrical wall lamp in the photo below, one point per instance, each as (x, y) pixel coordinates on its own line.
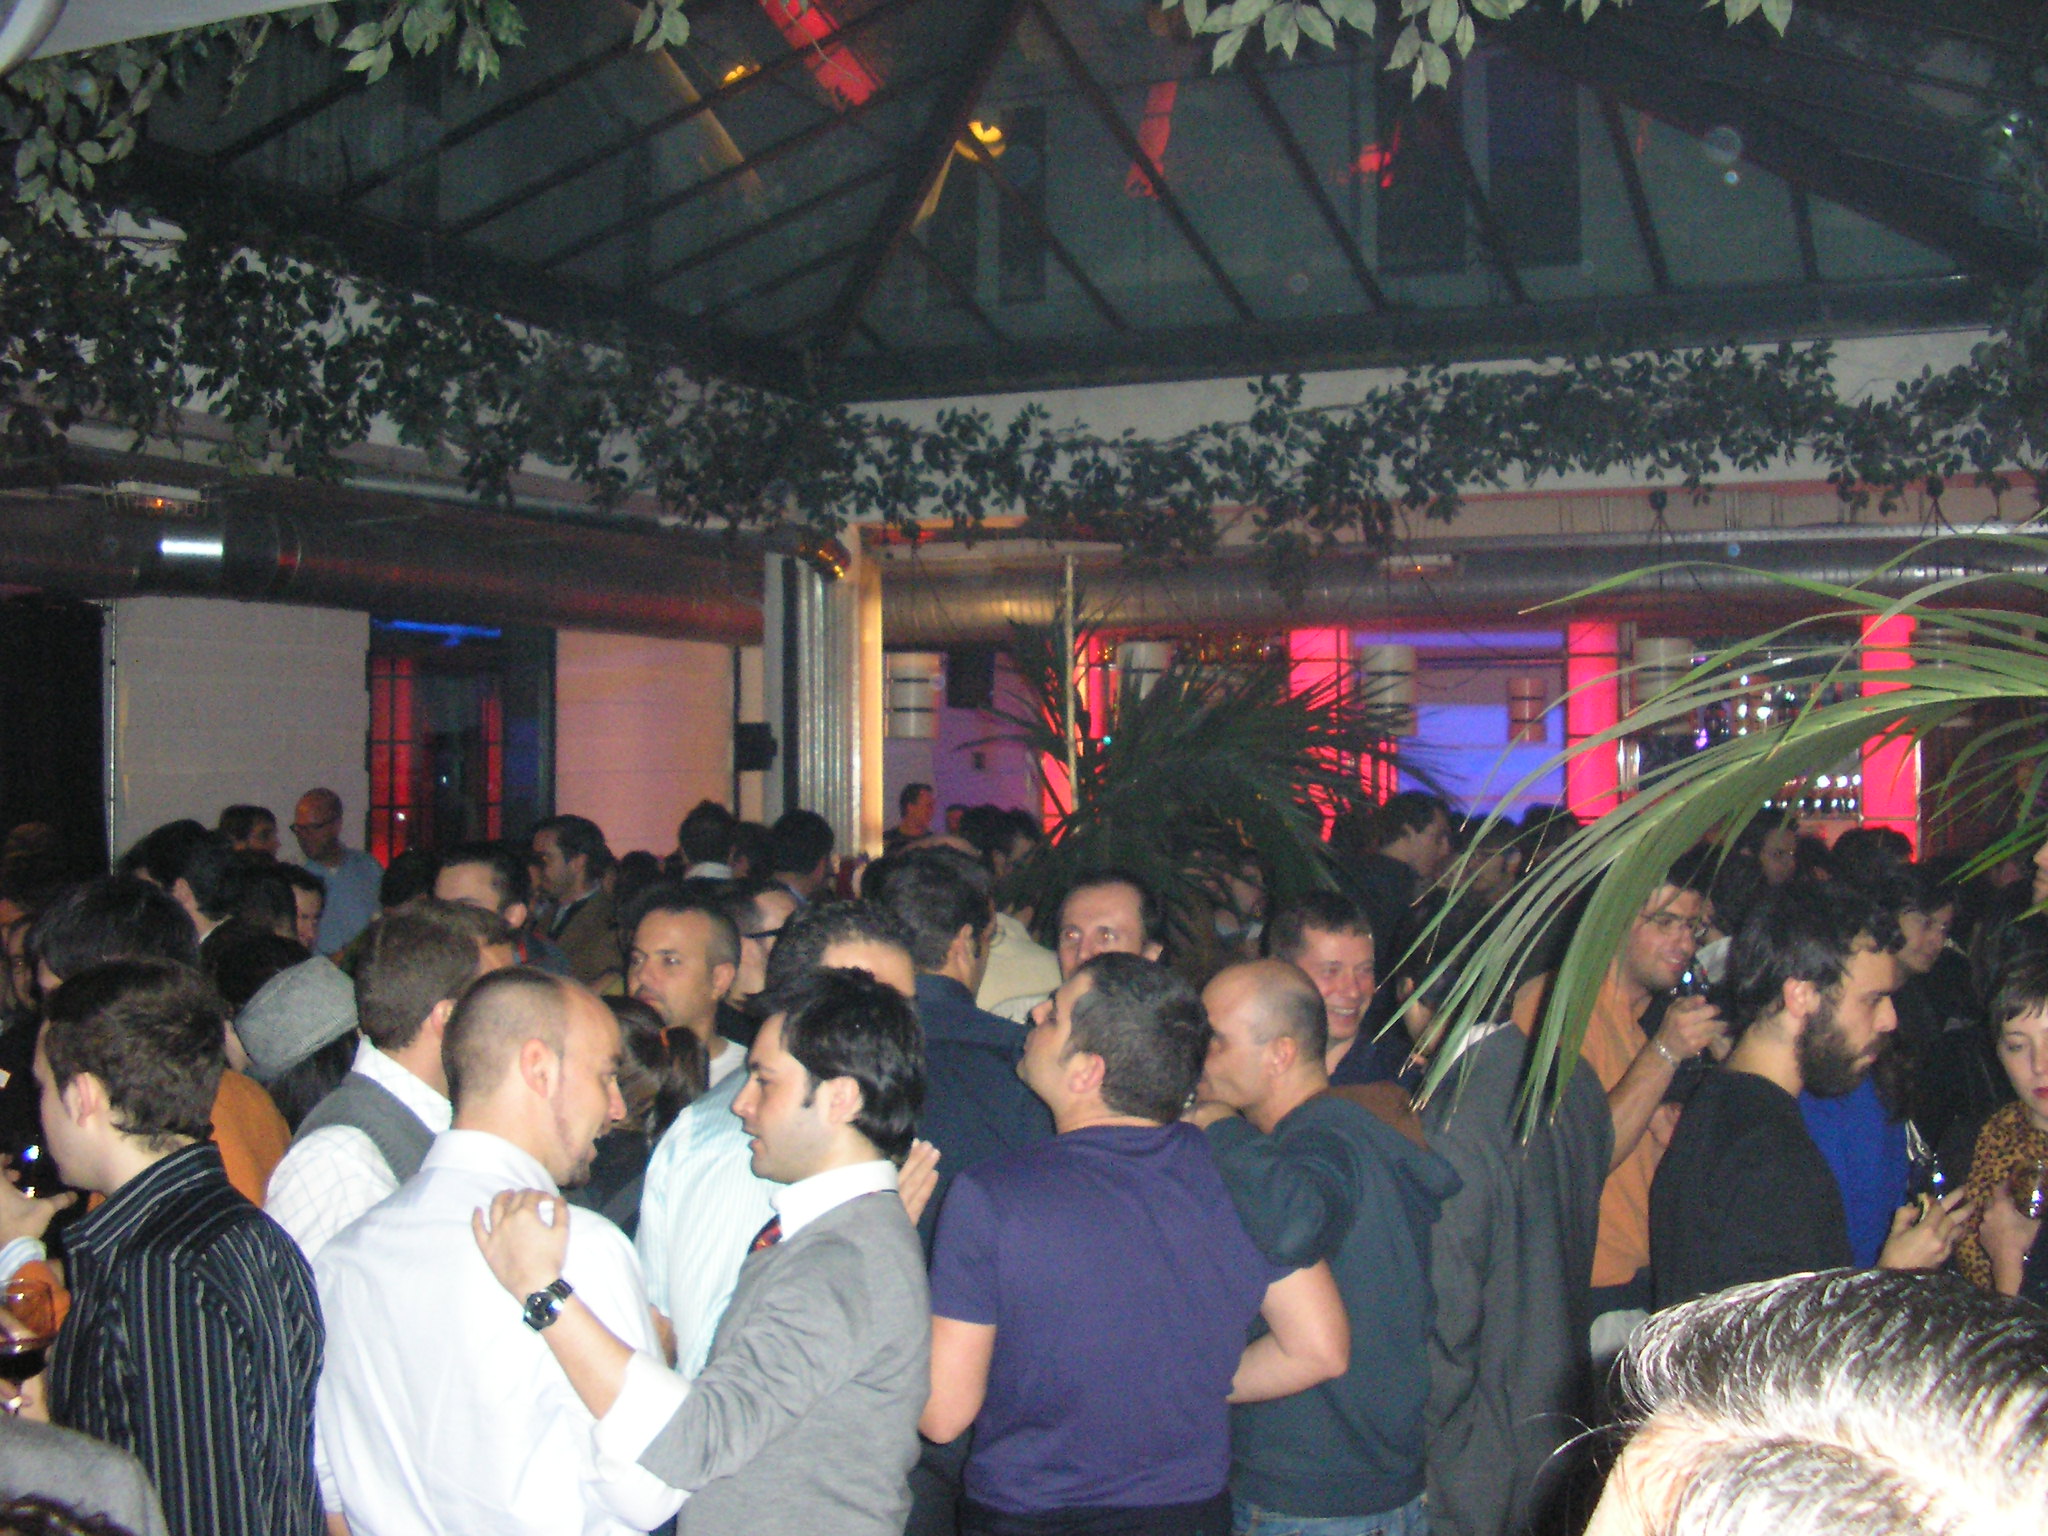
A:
(911, 685)
(1386, 685)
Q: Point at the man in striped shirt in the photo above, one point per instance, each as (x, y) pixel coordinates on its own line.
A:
(194, 1338)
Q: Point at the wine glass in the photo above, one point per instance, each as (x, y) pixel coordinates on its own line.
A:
(30, 1328)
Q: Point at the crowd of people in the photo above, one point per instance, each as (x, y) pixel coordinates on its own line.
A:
(746, 1188)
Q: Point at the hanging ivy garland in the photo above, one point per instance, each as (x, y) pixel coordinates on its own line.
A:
(102, 320)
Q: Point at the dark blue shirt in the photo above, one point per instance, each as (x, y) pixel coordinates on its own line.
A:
(975, 1105)
(1121, 1284)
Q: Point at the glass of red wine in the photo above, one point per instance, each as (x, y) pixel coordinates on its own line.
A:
(32, 1327)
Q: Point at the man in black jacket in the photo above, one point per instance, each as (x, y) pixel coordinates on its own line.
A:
(1313, 1177)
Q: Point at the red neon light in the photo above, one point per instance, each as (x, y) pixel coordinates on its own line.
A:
(805, 25)
(1154, 130)
(1891, 764)
(1592, 780)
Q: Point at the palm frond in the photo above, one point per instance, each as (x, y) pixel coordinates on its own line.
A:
(1213, 766)
(1979, 639)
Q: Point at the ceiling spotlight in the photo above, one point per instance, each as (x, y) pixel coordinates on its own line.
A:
(738, 72)
(989, 137)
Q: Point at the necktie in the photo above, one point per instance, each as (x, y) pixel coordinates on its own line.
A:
(768, 1236)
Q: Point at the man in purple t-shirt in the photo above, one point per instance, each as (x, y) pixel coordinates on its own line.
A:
(1091, 1295)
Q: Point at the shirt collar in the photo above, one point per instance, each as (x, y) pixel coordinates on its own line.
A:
(188, 1168)
(432, 1108)
(803, 1202)
(487, 1152)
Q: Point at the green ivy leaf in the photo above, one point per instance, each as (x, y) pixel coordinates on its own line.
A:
(643, 29)
(1196, 12)
(1465, 36)
(1406, 47)
(1227, 46)
(675, 30)
(1436, 64)
(1362, 14)
(363, 38)
(1315, 26)
(1443, 19)
(1778, 13)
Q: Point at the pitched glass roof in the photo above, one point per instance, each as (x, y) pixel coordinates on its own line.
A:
(944, 196)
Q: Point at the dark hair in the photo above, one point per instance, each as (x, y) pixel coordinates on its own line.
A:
(153, 1032)
(840, 1023)
(498, 1013)
(989, 830)
(1803, 933)
(239, 958)
(1866, 855)
(116, 917)
(300, 1087)
(671, 897)
(578, 837)
(408, 875)
(636, 871)
(811, 931)
(1750, 840)
(259, 893)
(1151, 915)
(751, 841)
(798, 841)
(937, 892)
(1147, 1025)
(238, 823)
(662, 1071)
(511, 875)
(410, 959)
(705, 835)
(1915, 888)
(300, 878)
(1411, 810)
(161, 854)
(907, 797)
(2019, 986)
(34, 1515)
(738, 902)
(1287, 932)
(1694, 870)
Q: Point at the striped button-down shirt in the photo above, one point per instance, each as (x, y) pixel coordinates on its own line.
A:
(194, 1341)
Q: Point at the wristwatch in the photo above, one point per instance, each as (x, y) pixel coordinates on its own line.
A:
(545, 1306)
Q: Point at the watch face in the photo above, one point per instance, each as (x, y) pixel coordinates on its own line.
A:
(541, 1309)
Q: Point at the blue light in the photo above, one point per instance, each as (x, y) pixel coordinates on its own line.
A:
(451, 634)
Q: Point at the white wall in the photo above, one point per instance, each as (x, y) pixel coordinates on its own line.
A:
(643, 731)
(216, 702)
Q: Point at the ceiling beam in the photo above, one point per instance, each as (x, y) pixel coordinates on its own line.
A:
(1602, 55)
(589, 161)
(285, 121)
(1106, 109)
(780, 149)
(463, 132)
(950, 281)
(920, 167)
(1311, 183)
(781, 220)
(780, 280)
(1022, 206)
(1490, 234)
(1802, 228)
(1632, 184)
(1409, 336)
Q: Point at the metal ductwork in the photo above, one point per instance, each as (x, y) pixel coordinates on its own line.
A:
(292, 541)
(1441, 585)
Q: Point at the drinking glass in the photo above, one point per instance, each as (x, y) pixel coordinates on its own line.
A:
(2029, 1187)
(32, 1307)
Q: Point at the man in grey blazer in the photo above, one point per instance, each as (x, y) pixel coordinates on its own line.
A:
(804, 1419)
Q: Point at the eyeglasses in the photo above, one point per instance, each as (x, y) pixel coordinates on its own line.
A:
(1671, 922)
(314, 826)
(765, 933)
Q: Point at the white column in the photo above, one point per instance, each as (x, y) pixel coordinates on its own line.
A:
(822, 687)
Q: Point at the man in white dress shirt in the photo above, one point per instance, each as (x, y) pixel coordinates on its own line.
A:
(440, 1411)
(703, 1200)
(367, 1137)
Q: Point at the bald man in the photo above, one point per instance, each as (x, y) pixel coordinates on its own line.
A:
(440, 1407)
(1315, 1176)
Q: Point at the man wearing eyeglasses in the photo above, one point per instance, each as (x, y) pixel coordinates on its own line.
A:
(1636, 1069)
(350, 875)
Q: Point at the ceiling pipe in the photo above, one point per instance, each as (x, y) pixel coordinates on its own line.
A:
(23, 26)
(290, 542)
(1441, 585)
